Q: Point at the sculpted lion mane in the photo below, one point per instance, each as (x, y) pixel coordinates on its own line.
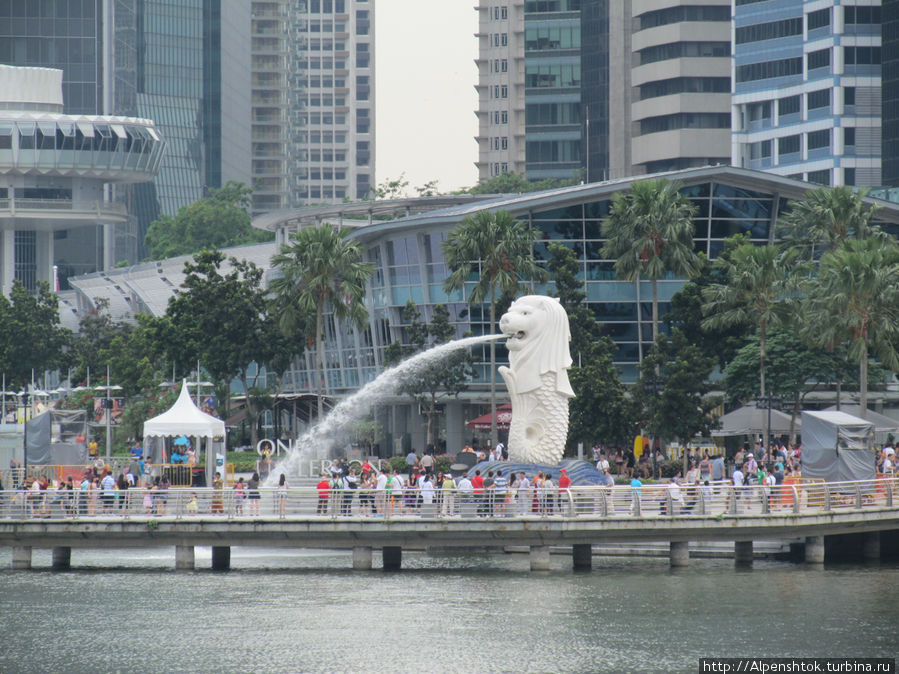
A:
(537, 377)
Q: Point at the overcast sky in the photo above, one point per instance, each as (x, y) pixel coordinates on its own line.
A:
(425, 77)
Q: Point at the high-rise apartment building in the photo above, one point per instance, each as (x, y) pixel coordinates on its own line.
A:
(807, 89)
(890, 89)
(181, 63)
(602, 89)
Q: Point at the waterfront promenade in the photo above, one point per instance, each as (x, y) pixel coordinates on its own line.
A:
(581, 518)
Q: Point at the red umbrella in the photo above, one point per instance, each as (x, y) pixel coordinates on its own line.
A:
(503, 419)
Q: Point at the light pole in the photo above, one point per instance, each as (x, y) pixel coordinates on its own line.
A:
(108, 406)
(24, 394)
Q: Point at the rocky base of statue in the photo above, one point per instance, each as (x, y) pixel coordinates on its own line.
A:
(537, 378)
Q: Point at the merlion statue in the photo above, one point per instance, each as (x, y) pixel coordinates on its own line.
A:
(537, 378)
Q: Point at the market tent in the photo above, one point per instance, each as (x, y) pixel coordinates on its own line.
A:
(882, 423)
(837, 446)
(752, 420)
(503, 419)
(185, 418)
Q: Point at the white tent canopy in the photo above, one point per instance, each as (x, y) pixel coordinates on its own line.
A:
(184, 418)
(882, 423)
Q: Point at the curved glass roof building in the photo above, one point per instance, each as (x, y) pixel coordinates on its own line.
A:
(55, 170)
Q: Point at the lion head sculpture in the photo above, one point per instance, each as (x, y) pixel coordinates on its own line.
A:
(538, 336)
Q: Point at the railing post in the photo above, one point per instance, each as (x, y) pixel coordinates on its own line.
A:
(890, 485)
(795, 499)
(732, 505)
(826, 497)
(604, 494)
(669, 504)
(766, 506)
(637, 505)
(858, 496)
(701, 501)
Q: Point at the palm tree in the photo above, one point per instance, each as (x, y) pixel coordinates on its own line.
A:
(855, 299)
(320, 267)
(756, 289)
(649, 233)
(496, 252)
(826, 218)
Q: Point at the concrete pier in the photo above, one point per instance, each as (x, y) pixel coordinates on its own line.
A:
(362, 558)
(539, 556)
(62, 558)
(393, 557)
(185, 558)
(871, 546)
(221, 557)
(679, 553)
(814, 549)
(21, 557)
(582, 556)
(743, 553)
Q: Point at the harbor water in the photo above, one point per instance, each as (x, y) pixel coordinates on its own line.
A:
(281, 610)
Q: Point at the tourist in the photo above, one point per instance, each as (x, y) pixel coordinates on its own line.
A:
(500, 492)
(705, 467)
(281, 494)
(147, 472)
(630, 462)
(218, 486)
(162, 495)
(489, 495)
(426, 487)
(676, 495)
(619, 461)
(108, 484)
(411, 460)
(366, 493)
(381, 493)
(466, 496)
(602, 464)
(637, 487)
(718, 468)
(397, 492)
(448, 494)
(323, 487)
(549, 494)
(411, 493)
(350, 485)
(427, 463)
(477, 484)
(149, 506)
(240, 493)
(521, 487)
(192, 507)
(253, 494)
(84, 494)
(564, 486)
(389, 487)
(693, 474)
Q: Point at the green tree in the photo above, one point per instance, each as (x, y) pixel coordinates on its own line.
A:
(795, 369)
(756, 288)
(512, 183)
(854, 300)
(90, 347)
(31, 339)
(671, 394)
(649, 234)
(564, 269)
(220, 220)
(492, 253)
(320, 268)
(392, 188)
(429, 189)
(223, 320)
(826, 218)
(721, 343)
(447, 378)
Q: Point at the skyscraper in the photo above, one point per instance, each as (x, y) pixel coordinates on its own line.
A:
(602, 89)
(807, 90)
(156, 59)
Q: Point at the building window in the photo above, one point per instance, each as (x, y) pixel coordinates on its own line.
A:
(818, 139)
(769, 69)
(862, 55)
(768, 31)
(676, 50)
(849, 96)
(504, 39)
(849, 136)
(788, 145)
(504, 142)
(849, 176)
(504, 91)
(819, 99)
(819, 19)
(818, 59)
(862, 14)
(504, 65)
(819, 177)
(788, 106)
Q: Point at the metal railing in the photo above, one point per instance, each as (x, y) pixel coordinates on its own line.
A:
(621, 502)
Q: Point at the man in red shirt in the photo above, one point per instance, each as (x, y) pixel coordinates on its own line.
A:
(323, 487)
(564, 483)
(477, 483)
